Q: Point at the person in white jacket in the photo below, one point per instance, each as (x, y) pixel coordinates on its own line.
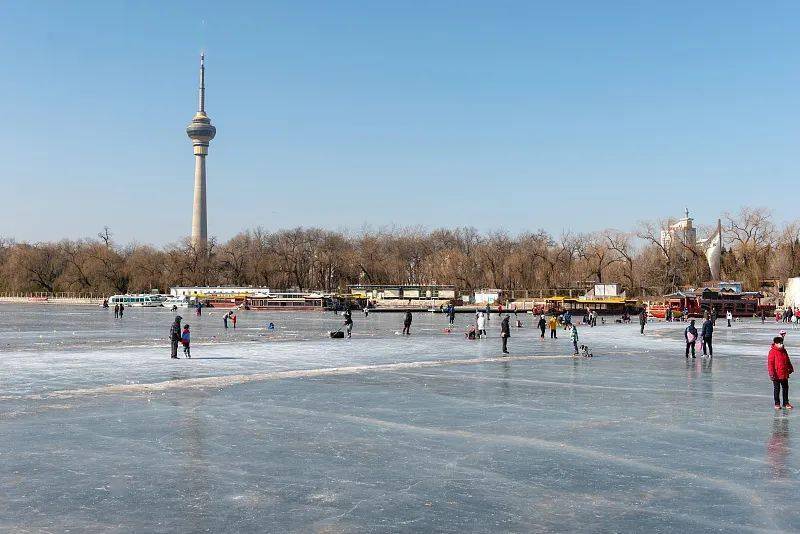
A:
(481, 325)
(729, 317)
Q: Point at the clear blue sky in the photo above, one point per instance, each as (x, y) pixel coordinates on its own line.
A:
(515, 115)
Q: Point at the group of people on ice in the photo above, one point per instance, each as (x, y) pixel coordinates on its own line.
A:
(789, 315)
(706, 336)
(478, 330)
(779, 366)
(178, 336)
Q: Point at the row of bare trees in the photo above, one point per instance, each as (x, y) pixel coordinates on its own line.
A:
(755, 249)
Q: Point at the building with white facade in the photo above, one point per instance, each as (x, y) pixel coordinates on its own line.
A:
(681, 231)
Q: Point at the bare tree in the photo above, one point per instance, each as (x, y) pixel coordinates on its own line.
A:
(751, 236)
(105, 236)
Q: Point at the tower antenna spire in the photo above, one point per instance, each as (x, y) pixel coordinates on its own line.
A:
(201, 132)
(202, 103)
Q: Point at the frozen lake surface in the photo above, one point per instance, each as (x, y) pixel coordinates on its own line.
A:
(289, 431)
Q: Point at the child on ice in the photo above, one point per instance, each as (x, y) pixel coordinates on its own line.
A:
(185, 341)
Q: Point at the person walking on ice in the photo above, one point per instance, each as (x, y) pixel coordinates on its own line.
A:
(407, 323)
(729, 317)
(505, 333)
(348, 323)
(642, 320)
(707, 334)
(185, 338)
(481, 325)
(573, 336)
(553, 323)
(690, 334)
(542, 325)
(779, 367)
(175, 336)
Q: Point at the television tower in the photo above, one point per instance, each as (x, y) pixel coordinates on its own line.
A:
(200, 131)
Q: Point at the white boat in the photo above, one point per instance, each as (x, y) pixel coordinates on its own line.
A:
(136, 301)
(178, 302)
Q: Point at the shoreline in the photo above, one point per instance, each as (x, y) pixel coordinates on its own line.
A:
(53, 300)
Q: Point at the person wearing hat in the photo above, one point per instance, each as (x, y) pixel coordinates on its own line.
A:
(782, 333)
(175, 336)
(779, 367)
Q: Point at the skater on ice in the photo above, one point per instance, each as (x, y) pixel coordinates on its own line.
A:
(175, 336)
(505, 332)
(185, 338)
(481, 325)
(690, 335)
(348, 322)
(407, 323)
(573, 336)
(707, 334)
(779, 367)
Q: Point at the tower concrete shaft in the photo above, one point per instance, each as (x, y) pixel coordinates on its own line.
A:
(199, 207)
(201, 132)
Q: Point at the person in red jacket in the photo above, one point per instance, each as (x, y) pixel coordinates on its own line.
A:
(779, 367)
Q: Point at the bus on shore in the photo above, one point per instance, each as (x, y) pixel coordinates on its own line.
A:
(137, 301)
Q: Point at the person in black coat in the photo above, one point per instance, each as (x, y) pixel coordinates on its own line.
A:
(175, 336)
(707, 333)
(348, 322)
(690, 335)
(407, 323)
(505, 333)
(542, 325)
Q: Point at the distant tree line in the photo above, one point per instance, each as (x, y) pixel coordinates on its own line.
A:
(755, 248)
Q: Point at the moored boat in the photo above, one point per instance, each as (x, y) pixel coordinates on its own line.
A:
(178, 302)
(286, 302)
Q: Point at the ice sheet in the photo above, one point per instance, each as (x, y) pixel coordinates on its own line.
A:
(427, 433)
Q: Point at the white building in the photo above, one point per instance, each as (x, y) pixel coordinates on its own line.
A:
(487, 296)
(792, 295)
(408, 292)
(218, 291)
(681, 231)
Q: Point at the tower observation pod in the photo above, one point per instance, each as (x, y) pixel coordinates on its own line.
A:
(201, 132)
